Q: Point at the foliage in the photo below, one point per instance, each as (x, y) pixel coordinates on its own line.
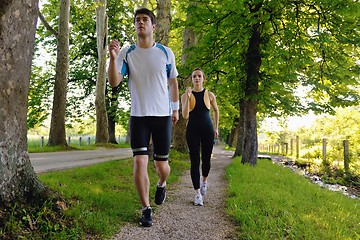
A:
(336, 128)
(41, 86)
(343, 125)
(297, 45)
(271, 202)
(37, 222)
(309, 53)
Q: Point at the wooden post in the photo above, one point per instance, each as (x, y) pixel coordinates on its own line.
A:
(346, 156)
(324, 151)
(297, 147)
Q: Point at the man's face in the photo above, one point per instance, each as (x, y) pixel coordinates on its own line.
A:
(143, 25)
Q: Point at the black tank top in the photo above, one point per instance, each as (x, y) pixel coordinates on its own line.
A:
(200, 115)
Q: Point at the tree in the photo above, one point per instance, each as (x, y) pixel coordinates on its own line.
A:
(18, 180)
(263, 51)
(57, 135)
(163, 22)
(102, 133)
(188, 40)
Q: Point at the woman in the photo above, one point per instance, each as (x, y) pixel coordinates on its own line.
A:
(200, 132)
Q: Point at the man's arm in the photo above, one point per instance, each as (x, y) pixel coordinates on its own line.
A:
(174, 97)
(113, 73)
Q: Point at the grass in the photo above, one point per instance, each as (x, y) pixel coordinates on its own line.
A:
(269, 201)
(34, 147)
(99, 198)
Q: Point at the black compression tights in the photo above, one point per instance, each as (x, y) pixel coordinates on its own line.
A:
(199, 141)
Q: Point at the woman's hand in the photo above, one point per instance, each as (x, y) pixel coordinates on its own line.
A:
(188, 91)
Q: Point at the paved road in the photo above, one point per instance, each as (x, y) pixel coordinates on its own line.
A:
(51, 161)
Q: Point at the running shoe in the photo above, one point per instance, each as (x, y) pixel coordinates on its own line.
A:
(198, 200)
(203, 188)
(146, 217)
(160, 195)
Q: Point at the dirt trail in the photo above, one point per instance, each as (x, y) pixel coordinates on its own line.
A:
(179, 219)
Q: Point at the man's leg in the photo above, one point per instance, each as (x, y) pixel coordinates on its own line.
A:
(162, 170)
(141, 178)
(161, 136)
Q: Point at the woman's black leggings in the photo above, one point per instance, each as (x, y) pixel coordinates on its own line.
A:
(199, 138)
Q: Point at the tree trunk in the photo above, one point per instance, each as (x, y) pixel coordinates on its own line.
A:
(111, 113)
(253, 63)
(57, 135)
(18, 181)
(233, 136)
(240, 136)
(102, 131)
(179, 139)
(163, 22)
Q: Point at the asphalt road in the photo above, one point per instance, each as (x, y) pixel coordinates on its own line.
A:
(52, 161)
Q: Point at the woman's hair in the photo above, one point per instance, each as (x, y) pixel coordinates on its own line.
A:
(199, 69)
(146, 12)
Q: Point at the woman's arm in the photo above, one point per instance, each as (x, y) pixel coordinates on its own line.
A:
(185, 103)
(216, 113)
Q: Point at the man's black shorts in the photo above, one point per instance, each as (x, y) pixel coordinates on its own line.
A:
(159, 128)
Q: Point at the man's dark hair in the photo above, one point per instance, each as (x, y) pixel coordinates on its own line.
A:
(146, 12)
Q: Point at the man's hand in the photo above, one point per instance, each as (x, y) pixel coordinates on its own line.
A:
(175, 116)
(114, 49)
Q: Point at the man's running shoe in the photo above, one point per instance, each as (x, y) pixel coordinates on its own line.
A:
(203, 188)
(198, 200)
(146, 217)
(160, 195)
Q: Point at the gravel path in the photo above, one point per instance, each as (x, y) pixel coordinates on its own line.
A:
(179, 219)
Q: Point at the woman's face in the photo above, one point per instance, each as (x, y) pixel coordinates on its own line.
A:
(197, 77)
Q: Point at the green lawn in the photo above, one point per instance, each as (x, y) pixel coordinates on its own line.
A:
(269, 201)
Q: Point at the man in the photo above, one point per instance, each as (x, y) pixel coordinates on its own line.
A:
(154, 103)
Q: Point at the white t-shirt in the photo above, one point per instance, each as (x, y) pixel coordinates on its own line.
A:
(148, 78)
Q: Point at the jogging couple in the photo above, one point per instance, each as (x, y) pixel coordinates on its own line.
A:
(155, 107)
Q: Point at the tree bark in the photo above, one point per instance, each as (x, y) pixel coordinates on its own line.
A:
(163, 22)
(111, 113)
(253, 63)
(102, 131)
(179, 139)
(240, 136)
(57, 135)
(18, 181)
(233, 136)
